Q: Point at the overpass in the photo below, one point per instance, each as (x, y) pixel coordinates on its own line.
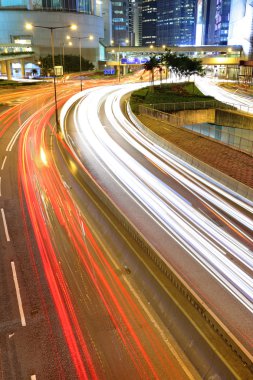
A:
(220, 61)
(11, 54)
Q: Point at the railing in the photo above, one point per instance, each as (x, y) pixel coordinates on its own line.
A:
(230, 139)
(198, 105)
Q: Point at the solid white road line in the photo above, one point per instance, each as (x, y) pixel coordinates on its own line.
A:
(5, 225)
(2, 167)
(21, 311)
(33, 377)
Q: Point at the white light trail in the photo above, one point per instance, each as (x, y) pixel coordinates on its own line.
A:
(199, 236)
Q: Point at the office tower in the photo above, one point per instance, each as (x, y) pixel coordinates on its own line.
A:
(176, 22)
(241, 25)
(218, 22)
(120, 23)
(149, 20)
(201, 21)
(135, 22)
(222, 21)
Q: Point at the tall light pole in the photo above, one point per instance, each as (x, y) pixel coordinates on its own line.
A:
(63, 53)
(30, 26)
(126, 42)
(90, 37)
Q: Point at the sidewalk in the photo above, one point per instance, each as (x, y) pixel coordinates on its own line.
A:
(227, 160)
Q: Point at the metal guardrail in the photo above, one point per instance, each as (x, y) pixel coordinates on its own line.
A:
(242, 144)
(198, 105)
(183, 106)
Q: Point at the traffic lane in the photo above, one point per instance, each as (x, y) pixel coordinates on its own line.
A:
(179, 259)
(106, 351)
(211, 88)
(213, 204)
(150, 192)
(26, 333)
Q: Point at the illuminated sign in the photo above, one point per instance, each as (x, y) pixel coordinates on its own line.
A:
(109, 72)
(133, 61)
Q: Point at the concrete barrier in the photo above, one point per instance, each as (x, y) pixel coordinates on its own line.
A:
(234, 119)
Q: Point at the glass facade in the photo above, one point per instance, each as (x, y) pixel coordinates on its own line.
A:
(222, 22)
(176, 22)
(120, 24)
(53, 5)
(13, 3)
(149, 20)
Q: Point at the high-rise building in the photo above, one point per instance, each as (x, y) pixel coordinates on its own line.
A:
(222, 21)
(241, 25)
(135, 22)
(176, 22)
(201, 21)
(149, 20)
(120, 22)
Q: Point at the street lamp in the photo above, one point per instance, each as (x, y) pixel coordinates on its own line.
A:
(30, 26)
(80, 54)
(112, 42)
(63, 52)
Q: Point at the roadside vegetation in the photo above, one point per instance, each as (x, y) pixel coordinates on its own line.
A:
(177, 65)
(167, 93)
(71, 63)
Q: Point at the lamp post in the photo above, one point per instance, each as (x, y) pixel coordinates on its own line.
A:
(63, 53)
(30, 26)
(90, 37)
(112, 42)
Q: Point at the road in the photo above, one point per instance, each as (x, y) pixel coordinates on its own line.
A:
(189, 218)
(71, 308)
(30, 334)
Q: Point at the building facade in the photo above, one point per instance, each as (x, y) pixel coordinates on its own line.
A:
(241, 25)
(120, 22)
(176, 22)
(135, 22)
(149, 21)
(86, 6)
(86, 14)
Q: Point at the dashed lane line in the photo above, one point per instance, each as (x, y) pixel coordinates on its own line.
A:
(5, 225)
(5, 158)
(20, 306)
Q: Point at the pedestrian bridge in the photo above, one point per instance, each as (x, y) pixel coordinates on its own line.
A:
(221, 61)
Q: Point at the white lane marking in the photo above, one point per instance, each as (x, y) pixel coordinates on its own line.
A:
(18, 131)
(2, 167)
(5, 225)
(21, 311)
(33, 377)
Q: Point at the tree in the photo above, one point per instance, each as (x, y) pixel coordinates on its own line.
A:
(182, 65)
(151, 65)
(71, 63)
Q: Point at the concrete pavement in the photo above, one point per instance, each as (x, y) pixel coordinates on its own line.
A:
(227, 160)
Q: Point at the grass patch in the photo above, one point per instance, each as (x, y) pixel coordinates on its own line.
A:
(167, 93)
